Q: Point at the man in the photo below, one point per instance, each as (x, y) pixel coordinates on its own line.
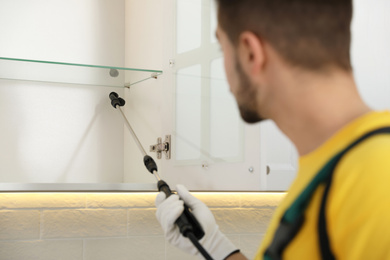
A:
(289, 61)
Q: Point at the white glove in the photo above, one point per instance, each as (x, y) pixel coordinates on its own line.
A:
(168, 210)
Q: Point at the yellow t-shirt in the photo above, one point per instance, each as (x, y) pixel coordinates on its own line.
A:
(358, 206)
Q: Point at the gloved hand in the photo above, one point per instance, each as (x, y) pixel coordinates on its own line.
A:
(168, 210)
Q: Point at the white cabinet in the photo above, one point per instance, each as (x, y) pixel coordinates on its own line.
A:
(69, 137)
(268, 160)
(58, 130)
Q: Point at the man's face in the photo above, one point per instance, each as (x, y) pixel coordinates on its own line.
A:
(241, 87)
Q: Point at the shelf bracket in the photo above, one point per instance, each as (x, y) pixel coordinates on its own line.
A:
(161, 147)
(154, 75)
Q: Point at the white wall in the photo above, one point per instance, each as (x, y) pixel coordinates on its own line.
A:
(371, 52)
(86, 31)
(58, 132)
(144, 32)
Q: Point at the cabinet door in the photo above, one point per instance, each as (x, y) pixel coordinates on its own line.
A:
(212, 149)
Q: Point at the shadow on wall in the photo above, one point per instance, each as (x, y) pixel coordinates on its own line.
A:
(59, 133)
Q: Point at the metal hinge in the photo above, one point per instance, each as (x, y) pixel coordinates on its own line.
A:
(161, 147)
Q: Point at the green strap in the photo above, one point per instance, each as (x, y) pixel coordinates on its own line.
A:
(300, 204)
(293, 218)
(298, 207)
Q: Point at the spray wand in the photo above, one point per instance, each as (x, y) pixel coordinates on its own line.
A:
(188, 225)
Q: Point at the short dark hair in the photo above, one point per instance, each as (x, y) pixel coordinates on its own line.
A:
(314, 34)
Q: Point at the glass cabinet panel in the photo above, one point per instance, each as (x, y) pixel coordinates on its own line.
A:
(188, 26)
(188, 113)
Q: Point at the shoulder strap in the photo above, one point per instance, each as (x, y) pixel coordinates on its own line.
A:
(326, 251)
(293, 218)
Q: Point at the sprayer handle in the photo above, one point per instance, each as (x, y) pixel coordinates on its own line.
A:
(116, 100)
(187, 221)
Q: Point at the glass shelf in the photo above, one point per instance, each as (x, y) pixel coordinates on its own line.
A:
(73, 73)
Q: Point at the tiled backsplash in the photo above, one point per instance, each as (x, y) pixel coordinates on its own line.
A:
(115, 226)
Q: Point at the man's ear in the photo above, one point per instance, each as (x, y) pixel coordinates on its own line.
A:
(251, 53)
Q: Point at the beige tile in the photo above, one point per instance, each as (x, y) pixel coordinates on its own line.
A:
(243, 220)
(144, 247)
(120, 200)
(42, 250)
(219, 200)
(143, 222)
(235, 239)
(84, 223)
(249, 244)
(19, 224)
(251, 200)
(115, 248)
(41, 200)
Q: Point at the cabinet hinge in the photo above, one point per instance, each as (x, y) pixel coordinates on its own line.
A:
(161, 147)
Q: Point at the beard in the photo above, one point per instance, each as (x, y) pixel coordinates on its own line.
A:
(246, 98)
